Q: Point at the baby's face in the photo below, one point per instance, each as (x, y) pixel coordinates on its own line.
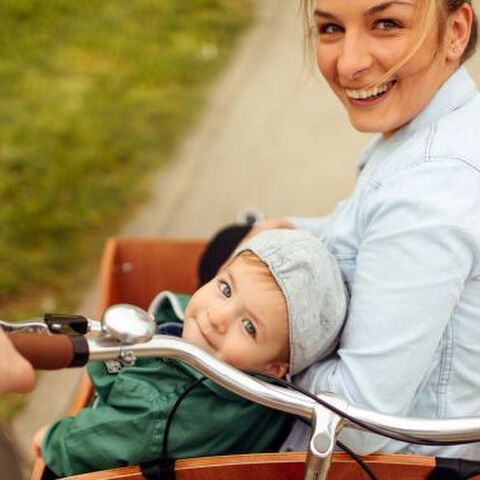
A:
(241, 317)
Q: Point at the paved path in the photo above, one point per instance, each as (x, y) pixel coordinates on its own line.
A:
(273, 137)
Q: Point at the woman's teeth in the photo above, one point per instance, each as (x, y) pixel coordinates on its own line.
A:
(370, 93)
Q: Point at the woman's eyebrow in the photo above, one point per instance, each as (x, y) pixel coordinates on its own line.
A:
(371, 11)
(384, 5)
(324, 14)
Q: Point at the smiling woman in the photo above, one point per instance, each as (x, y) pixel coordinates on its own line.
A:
(381, 64)
(408, 238)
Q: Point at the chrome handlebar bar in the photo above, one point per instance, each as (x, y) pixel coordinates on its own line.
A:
(289, 401)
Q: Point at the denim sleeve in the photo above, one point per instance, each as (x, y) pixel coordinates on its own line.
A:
(420, 242)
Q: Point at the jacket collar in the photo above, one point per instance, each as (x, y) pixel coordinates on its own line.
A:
(457, 90)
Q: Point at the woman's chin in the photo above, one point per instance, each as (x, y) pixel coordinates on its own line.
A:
(371, 125)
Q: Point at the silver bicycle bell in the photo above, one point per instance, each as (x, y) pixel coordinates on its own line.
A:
(128, 324)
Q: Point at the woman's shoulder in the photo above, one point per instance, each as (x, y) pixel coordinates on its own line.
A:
(434, 171)
(446, 130)
(456, 136)
(451, 122)
(450, 144)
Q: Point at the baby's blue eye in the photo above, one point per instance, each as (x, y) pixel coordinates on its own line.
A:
(249, 327)
(225, 289)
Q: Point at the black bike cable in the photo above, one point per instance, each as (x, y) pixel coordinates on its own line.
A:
(163, 468)
(356, 458)
(325, 404)
(172, 413)
(329, 406)
(184, 394)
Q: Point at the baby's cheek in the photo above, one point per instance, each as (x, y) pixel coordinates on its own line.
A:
(191, 334)
(241, 359)
(229, 357)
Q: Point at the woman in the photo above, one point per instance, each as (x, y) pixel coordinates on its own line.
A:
(16, 373)
(408, 238)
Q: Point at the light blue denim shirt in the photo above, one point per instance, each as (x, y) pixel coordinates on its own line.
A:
(408, 245)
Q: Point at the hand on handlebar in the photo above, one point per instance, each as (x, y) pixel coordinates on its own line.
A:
(16, 373)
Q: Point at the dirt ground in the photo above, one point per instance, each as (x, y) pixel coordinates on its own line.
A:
(272, 137)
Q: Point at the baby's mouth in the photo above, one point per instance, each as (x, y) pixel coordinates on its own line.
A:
(204, 335)
(370, 93)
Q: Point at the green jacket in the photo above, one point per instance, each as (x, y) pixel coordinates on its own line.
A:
(125, 423)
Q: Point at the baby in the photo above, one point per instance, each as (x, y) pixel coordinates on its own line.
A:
(276, 307)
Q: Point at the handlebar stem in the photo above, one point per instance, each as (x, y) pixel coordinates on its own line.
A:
(326, 426)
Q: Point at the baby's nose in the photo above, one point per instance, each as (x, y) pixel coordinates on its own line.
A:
(219, 319)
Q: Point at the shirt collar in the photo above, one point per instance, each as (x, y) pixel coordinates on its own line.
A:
(457, 90)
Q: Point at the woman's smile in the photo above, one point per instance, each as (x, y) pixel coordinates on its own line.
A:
(371, 96)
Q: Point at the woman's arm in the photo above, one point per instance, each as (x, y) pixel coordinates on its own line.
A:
(315, 225)
(418, 250)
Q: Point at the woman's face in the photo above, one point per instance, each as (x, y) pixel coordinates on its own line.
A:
(359, 41)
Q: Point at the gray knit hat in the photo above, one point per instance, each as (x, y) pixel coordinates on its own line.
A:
(311, 282)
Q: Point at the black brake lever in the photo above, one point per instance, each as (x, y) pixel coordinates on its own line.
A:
(59, 323)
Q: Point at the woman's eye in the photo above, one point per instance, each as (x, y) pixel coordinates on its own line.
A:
(249, 327)
(386, 24)
(225, 289)
(329, 28)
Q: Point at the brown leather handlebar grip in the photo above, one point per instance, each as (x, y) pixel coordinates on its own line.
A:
(51, 352)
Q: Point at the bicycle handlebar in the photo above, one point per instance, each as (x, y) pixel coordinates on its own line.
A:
(62, 351)
(428, 431)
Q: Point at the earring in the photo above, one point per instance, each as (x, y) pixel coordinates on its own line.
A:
(454, 49)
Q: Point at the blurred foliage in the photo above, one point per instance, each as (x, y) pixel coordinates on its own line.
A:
(95, 95)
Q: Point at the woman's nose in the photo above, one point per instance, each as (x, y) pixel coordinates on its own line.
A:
(355, 57)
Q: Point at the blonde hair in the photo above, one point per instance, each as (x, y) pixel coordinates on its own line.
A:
(262, 269)
(429, 13)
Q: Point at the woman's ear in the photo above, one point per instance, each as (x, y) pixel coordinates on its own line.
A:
(276, 369)
(457, 35)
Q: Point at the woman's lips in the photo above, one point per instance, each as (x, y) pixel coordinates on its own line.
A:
(373, 100)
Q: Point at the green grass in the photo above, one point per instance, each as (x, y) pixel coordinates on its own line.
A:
(95, 95)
